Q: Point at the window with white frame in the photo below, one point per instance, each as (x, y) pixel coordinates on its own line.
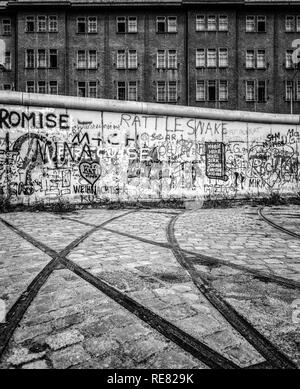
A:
(7, 60)
(200, 58)
(132, 24)
(289, 23)
(297, 90)
(161, 91)
(81, 89)
(92, 91)
(172, 91)
(30, 24)
(161, 59)
(41, 87)
(172, 24)
(92, 25)
(132, 90)
(223, 23)
(212, 23)
(200, 90)
(41, 24)
(261, 59)
(200, 23)
(30, 87)
(250, 59)
(81, 25)
(53, 87)
(250, 90)
(298, 23)
(121, 92)
(250, 23)
(132, 59)
(223, 90)
(41, 58)
(29, 59)
(92, 59)
(211, 58)
(121, 59)
(288, 90)
(81, 59)
(223, 58)
(6, 26)
(53, 23)
(172, 59)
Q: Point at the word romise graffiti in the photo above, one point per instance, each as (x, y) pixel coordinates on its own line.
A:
(50, 155)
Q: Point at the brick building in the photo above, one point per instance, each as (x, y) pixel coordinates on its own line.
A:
(229, 54)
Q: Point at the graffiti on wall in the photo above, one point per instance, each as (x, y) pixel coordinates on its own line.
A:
(48, 155)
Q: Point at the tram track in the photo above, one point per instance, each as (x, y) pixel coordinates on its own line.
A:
(277, 226)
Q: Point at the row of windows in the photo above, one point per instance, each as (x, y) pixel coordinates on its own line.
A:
(41, 58)
(164, 24)
(42, 86)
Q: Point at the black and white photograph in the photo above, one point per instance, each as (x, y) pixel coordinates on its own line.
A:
(149, 187)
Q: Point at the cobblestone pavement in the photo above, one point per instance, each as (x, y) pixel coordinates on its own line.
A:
(156, 288)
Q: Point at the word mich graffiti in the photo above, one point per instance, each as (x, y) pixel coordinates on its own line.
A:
(13, 119)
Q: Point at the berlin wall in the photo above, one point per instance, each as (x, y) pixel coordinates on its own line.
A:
(55, 152)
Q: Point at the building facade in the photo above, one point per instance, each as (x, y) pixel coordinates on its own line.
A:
(229, 54)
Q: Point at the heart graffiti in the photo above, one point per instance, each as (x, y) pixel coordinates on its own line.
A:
(90, 171)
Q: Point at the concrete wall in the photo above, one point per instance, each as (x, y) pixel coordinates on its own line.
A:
(87, 150)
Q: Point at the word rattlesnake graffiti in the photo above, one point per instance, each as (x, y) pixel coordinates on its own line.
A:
(48, 154)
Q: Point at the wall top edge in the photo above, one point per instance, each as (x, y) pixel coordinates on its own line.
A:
(78, 103)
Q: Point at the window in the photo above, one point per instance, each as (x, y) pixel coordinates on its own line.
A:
(200, 23)
(289, 23)
(261, 59)
(7, 60)
(92, 25)
(298, 24)
(250, 91)
(172, 91)
(132, 24)
(261, 24)
(53, 88)
(92, 59)
(161, 59)
(172, 59)
(121, 24)
(211, 23)
(81, 59)
(223, 58)
(211, 90)
(41, 24)
(6, 26)
(298, 90)
(29, 26)
(30, 87)
(211, 58)
(53, 58)
(132, 59)
(200, 90)
(200, 58)
(250, 23)
(250, 59)
(132, 91)
(288, 90)
(81, 89)
(121, 90)
(121, 59)
(223, 23)
(289, 59)
(223, 90)
(7, 86)
(41, 87)
(81, 25)
(172, 24)
(41, 59)
(261, 91)
(29, 59)
(53, 24)
(161, 24)
(161, 91)
(92, 89)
